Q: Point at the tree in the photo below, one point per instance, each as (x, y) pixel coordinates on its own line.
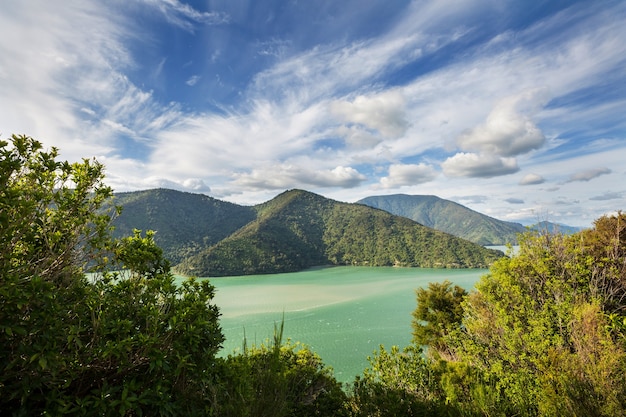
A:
(543, 334)
(438, 313)
(604, 248)
(49, 226)
(397, 383)
(277, 379)
(539, 325)
(111, 343)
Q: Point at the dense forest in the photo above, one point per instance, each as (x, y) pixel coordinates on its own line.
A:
(542, 334)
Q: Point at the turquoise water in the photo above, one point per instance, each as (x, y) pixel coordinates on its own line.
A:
(341, 313)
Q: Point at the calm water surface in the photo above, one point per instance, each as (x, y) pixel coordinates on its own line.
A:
(342, 313)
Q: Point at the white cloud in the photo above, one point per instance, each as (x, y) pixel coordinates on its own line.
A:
(384, 112)
(190, 185)
(206, 145)
(478, 165)
(358, 138)
(196, 184)
(185, 16)
(193, 80)
(588, 175)
(507, 130)
(407, 174)
(471, 199)
(64, 83)
(273, 47)
(289, 176)
(532, 179)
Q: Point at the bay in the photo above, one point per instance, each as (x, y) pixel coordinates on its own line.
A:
(342, 313)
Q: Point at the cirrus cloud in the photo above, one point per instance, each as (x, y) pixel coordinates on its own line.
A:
(185, 16)
(193, 80)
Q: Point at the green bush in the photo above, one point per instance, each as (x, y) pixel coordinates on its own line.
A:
(278, 379)
(542, 334)
(126, 343)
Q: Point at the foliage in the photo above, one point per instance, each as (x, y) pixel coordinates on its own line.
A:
(396, 384)
(297, 230)
(277, 379)
(544, 334)
(438, 313)
(534, 319)
(123, 343)
(407, 383)
(283, 238)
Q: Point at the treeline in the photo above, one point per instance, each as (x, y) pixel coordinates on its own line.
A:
(543, 334)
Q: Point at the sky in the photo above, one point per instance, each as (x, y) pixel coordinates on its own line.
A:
(513, 108)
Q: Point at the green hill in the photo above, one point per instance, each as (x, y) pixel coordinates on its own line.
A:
(553, 228)
(299, 229)
(449, 217)
(185, 223)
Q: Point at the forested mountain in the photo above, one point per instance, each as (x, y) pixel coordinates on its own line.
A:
(299, 229)
(449, 217)
(555, 228)
(185, 223)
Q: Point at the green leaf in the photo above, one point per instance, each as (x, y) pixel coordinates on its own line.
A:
(43, 362)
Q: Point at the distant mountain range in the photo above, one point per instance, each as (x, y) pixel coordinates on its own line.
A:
(458, 220)
(555, 228)
(449, 217)
(297, 229)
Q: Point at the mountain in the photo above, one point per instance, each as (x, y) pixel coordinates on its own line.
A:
(298, 229)
(185, 223)
(550, 227)
(449, 217)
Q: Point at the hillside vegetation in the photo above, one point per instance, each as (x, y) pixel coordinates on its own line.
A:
(299, 229)
(449, 217)
(185, 223)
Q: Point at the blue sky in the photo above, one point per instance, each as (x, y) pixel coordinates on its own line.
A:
(512, 108)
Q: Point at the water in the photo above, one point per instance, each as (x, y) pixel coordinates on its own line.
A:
(342, 313)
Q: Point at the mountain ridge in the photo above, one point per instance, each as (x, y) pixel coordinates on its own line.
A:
(448, 216)
(185, 222)
(297, 229)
